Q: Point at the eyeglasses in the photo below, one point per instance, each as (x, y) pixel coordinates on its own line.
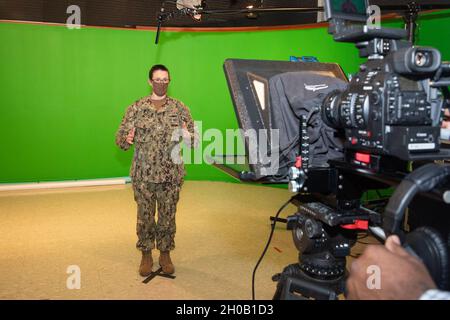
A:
(161, 80)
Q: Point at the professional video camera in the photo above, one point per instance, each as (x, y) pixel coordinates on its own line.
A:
(340, 139)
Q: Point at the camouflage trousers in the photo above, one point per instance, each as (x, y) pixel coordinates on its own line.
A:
(148, 196)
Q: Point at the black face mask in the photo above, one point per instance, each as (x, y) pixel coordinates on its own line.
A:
(160, 89)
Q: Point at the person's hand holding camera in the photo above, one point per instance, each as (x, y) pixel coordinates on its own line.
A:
(402, 276)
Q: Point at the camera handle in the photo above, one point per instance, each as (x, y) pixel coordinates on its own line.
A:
(424, 242)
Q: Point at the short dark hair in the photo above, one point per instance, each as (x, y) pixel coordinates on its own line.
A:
(157, 67)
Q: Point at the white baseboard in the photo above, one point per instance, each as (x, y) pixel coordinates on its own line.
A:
(64, 184)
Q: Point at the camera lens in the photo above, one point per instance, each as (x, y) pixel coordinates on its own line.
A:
(346, 110)
(330, 109)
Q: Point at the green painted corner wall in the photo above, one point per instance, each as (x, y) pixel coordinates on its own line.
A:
(63, 92)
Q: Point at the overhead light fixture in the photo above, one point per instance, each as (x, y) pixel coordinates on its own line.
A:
(251, 15)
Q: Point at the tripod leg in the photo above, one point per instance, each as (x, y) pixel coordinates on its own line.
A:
(277, 295)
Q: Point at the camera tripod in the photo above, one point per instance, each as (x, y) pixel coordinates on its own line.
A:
(294, 283)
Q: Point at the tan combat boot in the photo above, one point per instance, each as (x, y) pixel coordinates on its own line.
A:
(165, 262)
(145, 269)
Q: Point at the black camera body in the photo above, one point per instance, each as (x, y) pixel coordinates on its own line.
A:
(385, 112)
(390, 106)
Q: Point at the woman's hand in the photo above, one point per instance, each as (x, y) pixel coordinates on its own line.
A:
(186, 134)
(130, 136)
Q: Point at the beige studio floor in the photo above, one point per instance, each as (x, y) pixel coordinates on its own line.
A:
(221, 231)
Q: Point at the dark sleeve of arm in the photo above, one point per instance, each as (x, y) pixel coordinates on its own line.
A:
(125, 127)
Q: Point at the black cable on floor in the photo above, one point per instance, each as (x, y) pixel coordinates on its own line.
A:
(268, 244)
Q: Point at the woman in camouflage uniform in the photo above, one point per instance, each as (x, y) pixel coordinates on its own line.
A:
(153, 124)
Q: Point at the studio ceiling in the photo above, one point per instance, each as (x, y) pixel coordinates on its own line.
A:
(132, 13)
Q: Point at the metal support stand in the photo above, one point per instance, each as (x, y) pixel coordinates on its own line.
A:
(156, 274)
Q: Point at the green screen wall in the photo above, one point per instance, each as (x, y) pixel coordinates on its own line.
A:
(63, 92)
